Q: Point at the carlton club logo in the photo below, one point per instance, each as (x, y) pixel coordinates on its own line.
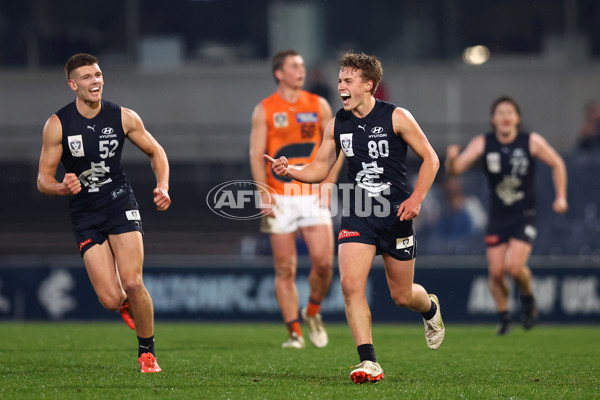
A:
(240, 199)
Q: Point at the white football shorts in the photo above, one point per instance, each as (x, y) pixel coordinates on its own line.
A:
(293, 212)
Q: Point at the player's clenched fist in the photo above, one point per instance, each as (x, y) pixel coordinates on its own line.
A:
(71, 183)
(280, 166)
(161, 199)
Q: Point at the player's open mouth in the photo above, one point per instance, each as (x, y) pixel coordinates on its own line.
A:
(345, 98)
(94, 90)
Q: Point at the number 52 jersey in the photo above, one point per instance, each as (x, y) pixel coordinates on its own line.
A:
(92, 150)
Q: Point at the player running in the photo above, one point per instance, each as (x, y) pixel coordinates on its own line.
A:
(87, 136)
(374, 137)
(509, 163)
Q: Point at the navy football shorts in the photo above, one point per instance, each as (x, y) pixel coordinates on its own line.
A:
(500, 230)
(388, 235)
(119, 216)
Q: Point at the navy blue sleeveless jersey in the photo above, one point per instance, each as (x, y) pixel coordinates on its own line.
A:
(510, 171)
(92, 150)
(376, 159)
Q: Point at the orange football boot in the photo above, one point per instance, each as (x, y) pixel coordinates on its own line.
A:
(148, 363)
(126, 314)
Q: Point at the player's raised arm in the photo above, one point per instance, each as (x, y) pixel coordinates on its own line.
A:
(316, 171)
(456, 162)
(49, 160)
(137, 133)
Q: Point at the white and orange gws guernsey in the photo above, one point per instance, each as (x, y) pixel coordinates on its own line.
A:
(294, 131)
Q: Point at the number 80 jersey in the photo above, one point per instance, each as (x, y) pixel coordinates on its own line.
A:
(92, 150)
(376, 156)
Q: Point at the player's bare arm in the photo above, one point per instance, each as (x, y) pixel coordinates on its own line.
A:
(137, 133)
(326, 116)
(332, 178)
(542, 150)
(316, 171)
(456, 162)
(408, 128)
(49, 160)
(258, 147)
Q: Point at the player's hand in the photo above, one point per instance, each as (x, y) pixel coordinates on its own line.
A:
(161, 199)
(280, 166)
(452, 151)
(560, 206)
(71, 183)
(409, 209)
(267, 202)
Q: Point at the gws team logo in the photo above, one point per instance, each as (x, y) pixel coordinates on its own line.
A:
(239, 199)
(346, 143)
(76, 145)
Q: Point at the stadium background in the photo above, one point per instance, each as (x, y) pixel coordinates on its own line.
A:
(194, 70)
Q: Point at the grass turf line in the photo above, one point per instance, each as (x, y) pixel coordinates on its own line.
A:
(245, 361)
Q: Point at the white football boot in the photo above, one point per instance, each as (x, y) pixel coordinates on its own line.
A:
(366, 371)
(434, 328)
(316, 331)
(294, 342)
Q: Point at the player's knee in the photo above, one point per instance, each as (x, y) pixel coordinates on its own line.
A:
(351, 287)
(111, 303)
(285, 271)
(133, 286)
(322, 267)
(496, 275)
(403, 300)
(516, 272)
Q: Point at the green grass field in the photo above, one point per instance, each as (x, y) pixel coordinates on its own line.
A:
(245, 361)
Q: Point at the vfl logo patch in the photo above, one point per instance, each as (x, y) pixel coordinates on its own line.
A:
(133, 215)
(346, 144)
(76, 145)
(306, 117)
(280, 120)
(493, 162)
(345, 233)
(404, 243)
